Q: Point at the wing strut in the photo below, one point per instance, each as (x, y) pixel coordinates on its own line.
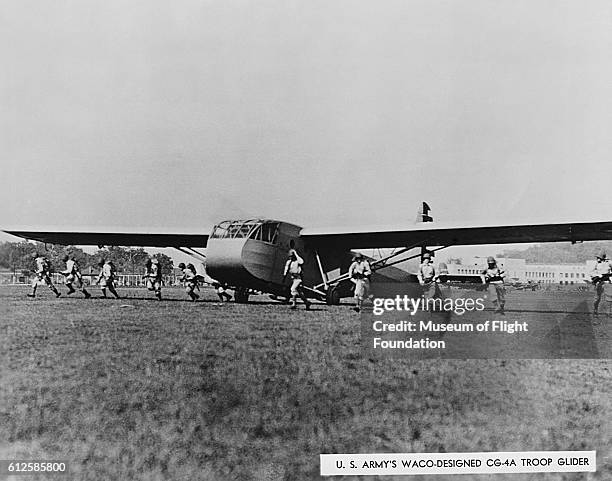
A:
(379, 264)
(191, 252)
(315, 290)
(323, 273)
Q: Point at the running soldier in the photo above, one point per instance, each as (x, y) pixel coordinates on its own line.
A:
(106, 279)
(224, 296)
(359, 273)
(73, 277)
(153, 275)
(43, 275)
(600, 275)
(220, 287)
(190, 280)
(293, 267)
(493, 277)
(428, 277)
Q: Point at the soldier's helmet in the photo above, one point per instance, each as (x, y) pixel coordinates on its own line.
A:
(65, 258)
(35, 255)
(601, 255)
(101, 262)
(427, 255)
(358, 256)
(490, 260)
(181, 265)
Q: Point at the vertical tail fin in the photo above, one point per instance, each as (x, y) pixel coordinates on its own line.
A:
(423, 214)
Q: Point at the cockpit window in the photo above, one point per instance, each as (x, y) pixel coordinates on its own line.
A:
(269, 231)
(241, 229)
(220, 231)
(265, 232)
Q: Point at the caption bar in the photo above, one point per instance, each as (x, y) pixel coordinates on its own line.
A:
(458, 463)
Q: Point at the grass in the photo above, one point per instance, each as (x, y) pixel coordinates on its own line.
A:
(140, 389)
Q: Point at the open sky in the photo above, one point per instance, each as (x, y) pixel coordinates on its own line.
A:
(170, 116)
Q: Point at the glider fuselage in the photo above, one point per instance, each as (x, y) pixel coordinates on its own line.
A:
(252, 254)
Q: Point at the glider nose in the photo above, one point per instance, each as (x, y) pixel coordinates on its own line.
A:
(224, 261)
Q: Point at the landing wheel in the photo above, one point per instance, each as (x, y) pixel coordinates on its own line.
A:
(332, 297)
(241, 295)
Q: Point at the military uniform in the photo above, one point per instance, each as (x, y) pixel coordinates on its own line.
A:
(493, 277)
(600, 276)
(153, 273)
(106, 278)
(190, 280)
(74, 278)
(360, 272)
(428, 278)
(221, 291)
(293, 267)
(43, 276)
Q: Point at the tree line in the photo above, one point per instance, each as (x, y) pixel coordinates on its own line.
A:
(19, 257)
(560, 253)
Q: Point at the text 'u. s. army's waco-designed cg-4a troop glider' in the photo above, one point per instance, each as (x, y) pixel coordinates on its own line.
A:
(249, 255)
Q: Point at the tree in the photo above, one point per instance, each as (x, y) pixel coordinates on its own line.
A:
(165, 262)
(17, 256)
(560, 253)
(128, 260)
(454, 260)
(55, 253)
(135, 260)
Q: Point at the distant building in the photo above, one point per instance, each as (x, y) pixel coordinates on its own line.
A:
(521, 271)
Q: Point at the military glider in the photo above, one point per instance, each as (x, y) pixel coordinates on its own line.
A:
(249, 255)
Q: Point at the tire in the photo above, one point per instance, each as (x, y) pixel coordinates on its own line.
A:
(332, 296)
(241, 295)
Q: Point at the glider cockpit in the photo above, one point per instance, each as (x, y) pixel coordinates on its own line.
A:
(251, 253)
(256, 229)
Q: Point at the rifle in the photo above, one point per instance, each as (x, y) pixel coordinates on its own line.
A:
(601, 278)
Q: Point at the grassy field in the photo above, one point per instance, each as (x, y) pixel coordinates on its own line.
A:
(140, 389)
